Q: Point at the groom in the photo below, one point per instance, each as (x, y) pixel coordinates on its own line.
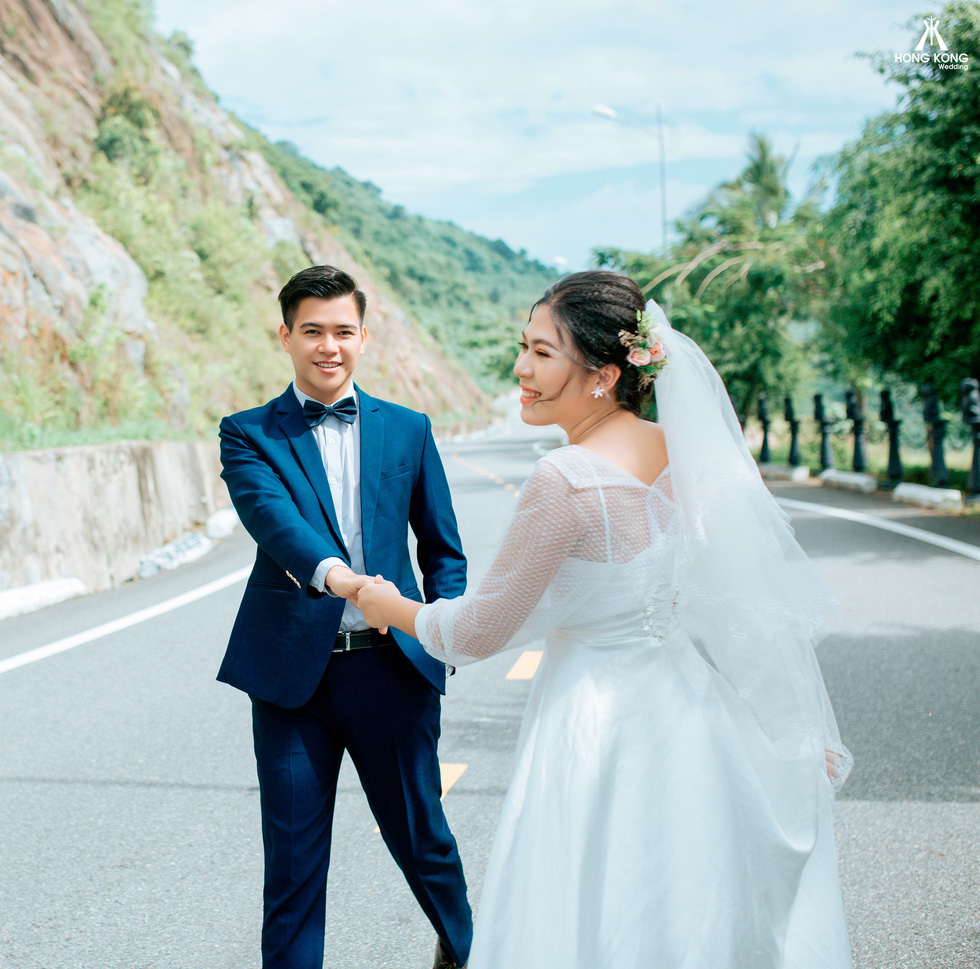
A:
(328, 480)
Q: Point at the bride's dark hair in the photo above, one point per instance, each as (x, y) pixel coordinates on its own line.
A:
(592, 308)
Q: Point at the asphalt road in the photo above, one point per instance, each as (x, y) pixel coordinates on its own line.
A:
(129, 826)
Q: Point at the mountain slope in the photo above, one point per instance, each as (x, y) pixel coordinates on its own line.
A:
(471, 294)
(144, 233)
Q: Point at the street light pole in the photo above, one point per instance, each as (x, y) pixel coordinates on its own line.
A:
(611, 114)
(663, 182)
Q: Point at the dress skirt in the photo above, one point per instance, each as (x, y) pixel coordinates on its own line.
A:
(649, 823)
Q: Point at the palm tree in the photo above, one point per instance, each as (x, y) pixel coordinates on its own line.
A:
(748, 267)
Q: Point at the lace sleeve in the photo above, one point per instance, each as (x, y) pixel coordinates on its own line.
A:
(517, 602)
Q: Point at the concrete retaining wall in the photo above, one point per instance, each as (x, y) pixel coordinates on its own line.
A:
(90, 512)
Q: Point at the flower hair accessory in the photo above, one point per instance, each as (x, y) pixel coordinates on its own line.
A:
(646, 351)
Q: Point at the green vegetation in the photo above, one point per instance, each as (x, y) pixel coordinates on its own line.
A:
(125, 27)
(907, 296)
(744, 278)
(881, 287)
(151, 181)
(75, 388)
(209, 269)
(472, 295)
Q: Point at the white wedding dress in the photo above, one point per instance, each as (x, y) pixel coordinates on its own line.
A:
(650, 821)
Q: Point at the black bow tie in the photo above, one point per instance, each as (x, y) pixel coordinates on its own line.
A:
(344, 410)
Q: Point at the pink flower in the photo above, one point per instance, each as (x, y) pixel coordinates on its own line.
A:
(657, 352)
(639, 356)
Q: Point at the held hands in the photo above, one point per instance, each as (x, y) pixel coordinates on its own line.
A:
(376, 600)
(373, 596)
(344, 582)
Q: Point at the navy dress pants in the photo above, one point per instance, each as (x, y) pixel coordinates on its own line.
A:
(375, 705)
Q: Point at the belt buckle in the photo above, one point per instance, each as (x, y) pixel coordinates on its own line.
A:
(346, 640)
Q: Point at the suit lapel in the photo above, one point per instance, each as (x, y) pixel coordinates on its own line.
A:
(372, 447)
(304, 447)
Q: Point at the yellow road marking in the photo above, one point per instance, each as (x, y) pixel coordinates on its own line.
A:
(449, 774)
(526, 665)
(489, 475)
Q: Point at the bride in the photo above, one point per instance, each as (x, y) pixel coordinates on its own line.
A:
(671, 803)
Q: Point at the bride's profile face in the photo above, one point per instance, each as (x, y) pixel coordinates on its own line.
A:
(552, 386)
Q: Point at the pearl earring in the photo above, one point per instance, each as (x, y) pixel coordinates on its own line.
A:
(598, 392)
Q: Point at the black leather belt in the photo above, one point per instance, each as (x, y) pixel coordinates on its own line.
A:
(360, 639)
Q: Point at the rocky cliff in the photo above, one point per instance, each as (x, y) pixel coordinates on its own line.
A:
(143, 237)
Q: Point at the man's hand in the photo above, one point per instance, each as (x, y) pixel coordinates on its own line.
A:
(344, 582)
(375, 599)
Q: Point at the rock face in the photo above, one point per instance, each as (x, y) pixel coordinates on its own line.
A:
(52, 257)
(56, 78)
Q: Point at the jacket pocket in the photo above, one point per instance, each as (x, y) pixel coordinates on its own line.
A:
(394, 472)
(269, 587)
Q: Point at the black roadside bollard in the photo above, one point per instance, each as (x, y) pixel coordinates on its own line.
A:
(895, 470)
(794, 432)
(763, 414)
(826, 452)
(970, 405)
(938, 474)
(859, 462)
(740, 417)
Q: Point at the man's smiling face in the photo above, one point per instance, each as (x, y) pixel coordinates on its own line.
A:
(325, 342)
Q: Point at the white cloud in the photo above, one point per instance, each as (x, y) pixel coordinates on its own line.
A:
(438, 98)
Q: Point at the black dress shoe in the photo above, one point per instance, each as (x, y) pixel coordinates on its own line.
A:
(444, 961)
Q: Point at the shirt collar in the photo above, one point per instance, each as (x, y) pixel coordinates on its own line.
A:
(303, 398)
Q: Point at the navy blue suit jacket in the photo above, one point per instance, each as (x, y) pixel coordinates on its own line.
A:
(282, 639)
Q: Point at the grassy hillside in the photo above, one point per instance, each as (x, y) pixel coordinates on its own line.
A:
(217, 218)
(471, 294)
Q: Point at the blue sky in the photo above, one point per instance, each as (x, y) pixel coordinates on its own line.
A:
(480, 112)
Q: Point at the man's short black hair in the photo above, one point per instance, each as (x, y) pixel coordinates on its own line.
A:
(323, 282)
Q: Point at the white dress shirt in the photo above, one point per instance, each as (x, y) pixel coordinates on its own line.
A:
(339, 444)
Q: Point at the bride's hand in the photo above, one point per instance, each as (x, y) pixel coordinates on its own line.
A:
(833, 764)
(375, 601)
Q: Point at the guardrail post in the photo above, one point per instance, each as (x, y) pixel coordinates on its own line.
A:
(763, 414)
(970, 406)
(887, 414)
(794, 432)
(859, 461)
(740, 417)
(826, 452)
(938, 474)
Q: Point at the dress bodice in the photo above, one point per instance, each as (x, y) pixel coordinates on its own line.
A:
(589, 544)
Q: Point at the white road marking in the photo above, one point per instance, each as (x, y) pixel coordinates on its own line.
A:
(116, 625)
(919, 534)
(177, 602)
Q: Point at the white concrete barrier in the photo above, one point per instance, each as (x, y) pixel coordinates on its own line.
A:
(168, 557)
(222, 524)
(92, 512)
(784, 472)
(849, 480)
(942, 499)
(15, 602)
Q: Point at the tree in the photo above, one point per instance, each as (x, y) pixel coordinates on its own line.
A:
(745, 277)
(905, 222)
